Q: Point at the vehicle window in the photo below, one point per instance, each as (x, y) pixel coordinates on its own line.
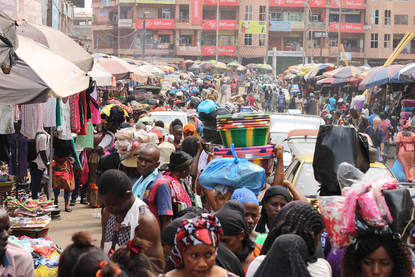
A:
(168, 118)
(305, 183)
(292, 169)
(302, 147)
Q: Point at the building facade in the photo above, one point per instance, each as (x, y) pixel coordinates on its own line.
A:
(248, 31)
(81, 29)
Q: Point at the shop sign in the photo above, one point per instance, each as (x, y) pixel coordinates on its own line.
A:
(223, 50)
(222, 2)
(321, 34)
(280, 26)
(347, 27)
(125, 23)
(197, 12)
(286, 53)
(155, 23)
(252, 27)
(298, 3)
(348, 4)
(169, 2)
(223, 25)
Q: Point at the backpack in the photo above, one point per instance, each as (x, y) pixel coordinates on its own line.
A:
(31, 148)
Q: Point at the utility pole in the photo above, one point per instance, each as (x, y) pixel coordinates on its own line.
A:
(339, 41)
(143, 49)
(217, 29)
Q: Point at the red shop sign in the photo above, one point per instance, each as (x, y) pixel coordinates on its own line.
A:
(197, 12)
(155, 23)
(222, 2)
(223, 25)
(287, 3)
(318, 3)
(223, 50)
(348, 4)
(347, 27)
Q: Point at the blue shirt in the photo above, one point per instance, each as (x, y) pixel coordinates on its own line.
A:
(371, 117)
(163, 199)
(140, 186)
(332, 104)
(378, 136)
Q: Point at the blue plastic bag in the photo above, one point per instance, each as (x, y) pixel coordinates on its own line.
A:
(206, 107)
(233, 172)
(397, 170)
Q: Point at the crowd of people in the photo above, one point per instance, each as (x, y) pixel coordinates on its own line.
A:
(157, 220)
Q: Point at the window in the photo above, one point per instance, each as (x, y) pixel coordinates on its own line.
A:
(353, 18)
(226, 40)
(374, 40)
(387, 17)
(186, 40)
(295, 16)
(248, 39)
(275, 16)
(184, 13)
(262, 38)
(164, 39)
(401, 19)
(375, 17)
(333, 42)
(125, 12)
(262, 13)
(387, 41)
(248, 12)
(165, 13)
(315, 18)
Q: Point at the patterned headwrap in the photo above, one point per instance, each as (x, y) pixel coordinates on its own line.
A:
(204, 229)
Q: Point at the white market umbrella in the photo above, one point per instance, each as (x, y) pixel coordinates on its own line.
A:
(38, 74)
(101, 76)
(407, 73)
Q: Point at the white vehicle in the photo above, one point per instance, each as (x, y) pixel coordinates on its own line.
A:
(168, 116)
(283, 123)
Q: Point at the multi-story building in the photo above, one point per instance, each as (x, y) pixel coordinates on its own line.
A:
(387, 22)
(247, 30)
(81, 29)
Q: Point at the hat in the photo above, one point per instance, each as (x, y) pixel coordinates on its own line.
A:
(244, 195)
(277, 190)
(131, 160)
(189, 128)
(166, 148)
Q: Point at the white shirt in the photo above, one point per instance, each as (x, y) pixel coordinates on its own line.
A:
(42, 144)
(107, 140)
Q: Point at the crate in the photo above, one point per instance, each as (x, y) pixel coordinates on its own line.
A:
(243, 137)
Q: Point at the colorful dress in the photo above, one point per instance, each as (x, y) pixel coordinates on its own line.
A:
(406, 153)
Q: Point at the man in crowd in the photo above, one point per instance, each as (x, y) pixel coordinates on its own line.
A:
(377, 135)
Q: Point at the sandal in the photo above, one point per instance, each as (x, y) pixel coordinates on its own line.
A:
(68, 210)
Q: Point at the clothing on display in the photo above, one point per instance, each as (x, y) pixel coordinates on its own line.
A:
(6, 122)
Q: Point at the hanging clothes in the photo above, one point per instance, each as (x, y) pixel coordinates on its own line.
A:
(4, 148)
(75, 116)
(6, 122)
(86, 141)
(96, 116)
(64, 130)
(83, 107)
(49, 108)
(29, 120)
(18, 155)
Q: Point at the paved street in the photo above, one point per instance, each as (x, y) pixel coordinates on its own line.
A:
(82, 218)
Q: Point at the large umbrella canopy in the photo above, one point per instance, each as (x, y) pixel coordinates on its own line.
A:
(8, 42)
(407, 73)
(113, 66)
(343, 72)
(212, 61)
(318, 70)
(233, 64)
(194, 67)
(57, 42)
(206, 66)
(150, 69)
(188, 62)
(241, 68)
(33, 81)
(265, 67)
(337, 81)
(220, 65)
(101, 76)
(381, 76)
(252, 65)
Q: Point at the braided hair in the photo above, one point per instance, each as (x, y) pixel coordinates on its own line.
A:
(299, 218)
(132, 259)
(365, 245)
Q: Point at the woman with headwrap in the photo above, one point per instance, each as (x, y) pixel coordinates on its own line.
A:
(303, 219)
(236, 234)
(288, 256)
(251, 207)
(195, 246)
